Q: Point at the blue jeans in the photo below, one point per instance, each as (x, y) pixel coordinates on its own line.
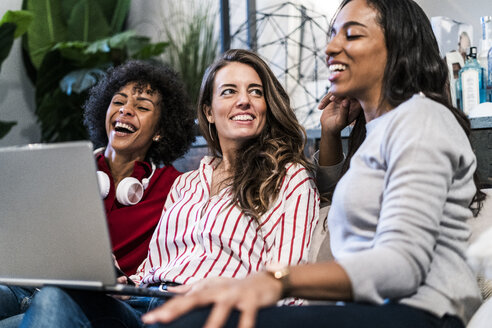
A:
(12, 322)
(56, 307)
(13, 302)
(349, 316)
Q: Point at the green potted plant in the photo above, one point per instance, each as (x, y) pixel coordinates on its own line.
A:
(189, 27)
(69, 44)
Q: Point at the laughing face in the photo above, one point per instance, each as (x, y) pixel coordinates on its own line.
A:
(238, 107)
(131, 120)
(356, 52)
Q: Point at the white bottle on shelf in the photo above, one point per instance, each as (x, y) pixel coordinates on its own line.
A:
(485, 45)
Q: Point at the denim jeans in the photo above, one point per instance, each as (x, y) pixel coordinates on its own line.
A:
(13, 302)
(56, 307)
(12, 322)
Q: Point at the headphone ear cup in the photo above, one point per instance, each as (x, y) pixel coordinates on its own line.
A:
(129, 191)
(104, 183)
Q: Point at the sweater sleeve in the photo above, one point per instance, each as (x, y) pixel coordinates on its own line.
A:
(327, 176)
(423, 152)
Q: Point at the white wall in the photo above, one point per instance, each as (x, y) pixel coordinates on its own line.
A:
(17, 93)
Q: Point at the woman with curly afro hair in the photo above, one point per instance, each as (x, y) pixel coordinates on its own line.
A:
(140, 113)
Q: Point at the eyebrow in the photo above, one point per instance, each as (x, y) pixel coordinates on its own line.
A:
(256, 85)
(348, 24)
(138, 98)
(146, 99)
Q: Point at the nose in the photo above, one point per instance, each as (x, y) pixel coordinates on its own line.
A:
(243, 100)
(333, 47)
(126, 110)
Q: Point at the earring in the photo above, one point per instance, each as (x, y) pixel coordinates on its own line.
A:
(156, 138)
(210, 131)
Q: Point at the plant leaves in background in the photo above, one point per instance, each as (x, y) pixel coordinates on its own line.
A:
(119, 14)
(118, 41)
(5, 128)
(21, 18)
(60, 116)
(46, 29)
(87, 22)
(7, 31)
(53, 68)
(190, 28)
(71, 43)
(80, 80)
(150, 50)
(72, 50)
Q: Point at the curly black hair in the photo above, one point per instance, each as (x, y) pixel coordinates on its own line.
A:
(176, 121)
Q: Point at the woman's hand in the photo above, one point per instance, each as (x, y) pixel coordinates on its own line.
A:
(245, 295)
(120, 280)
(204, 284)
(338, 112)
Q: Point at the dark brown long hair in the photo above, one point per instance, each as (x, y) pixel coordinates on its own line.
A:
(260, 164)
(414, 65)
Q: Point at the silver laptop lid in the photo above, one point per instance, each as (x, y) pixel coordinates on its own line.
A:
(52, 222)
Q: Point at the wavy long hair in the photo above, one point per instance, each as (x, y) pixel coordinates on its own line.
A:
(260, 164)
(414, 65)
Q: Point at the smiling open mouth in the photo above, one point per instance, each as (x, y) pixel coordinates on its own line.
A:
(124, 127)
(243, 117)
(337, 67)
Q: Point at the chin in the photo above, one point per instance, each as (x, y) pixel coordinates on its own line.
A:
(339, 92)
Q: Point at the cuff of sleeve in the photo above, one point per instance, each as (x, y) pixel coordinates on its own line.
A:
(327, 176)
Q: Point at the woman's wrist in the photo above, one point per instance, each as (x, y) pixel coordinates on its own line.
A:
(281, 275)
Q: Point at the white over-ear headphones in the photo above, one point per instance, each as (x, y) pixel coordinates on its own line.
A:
(129, 191)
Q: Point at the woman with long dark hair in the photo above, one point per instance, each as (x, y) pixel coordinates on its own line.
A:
(398, 215)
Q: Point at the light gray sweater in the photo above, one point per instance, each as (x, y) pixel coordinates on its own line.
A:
(398, 217)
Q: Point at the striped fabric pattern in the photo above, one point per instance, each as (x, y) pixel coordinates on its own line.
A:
(200, 236)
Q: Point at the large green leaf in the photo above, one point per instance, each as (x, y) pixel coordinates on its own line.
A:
(67, 7)
(72, 50)
(7, 31)
(150, 50)
(119, 15)
(5, 128)
(87, 22)
(21, 18)
(47, 28)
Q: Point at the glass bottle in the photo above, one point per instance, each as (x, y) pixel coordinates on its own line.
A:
(484, 54)
(486, 41)
(489, 78)
(472, 82)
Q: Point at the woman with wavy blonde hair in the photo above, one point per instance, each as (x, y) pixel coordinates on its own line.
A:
(259, 165)
(251, 203)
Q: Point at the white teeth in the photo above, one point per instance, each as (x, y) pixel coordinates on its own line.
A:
(337, 67)
(124, 126)
(243, 117)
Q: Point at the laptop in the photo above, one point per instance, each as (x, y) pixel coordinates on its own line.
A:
(53, 228)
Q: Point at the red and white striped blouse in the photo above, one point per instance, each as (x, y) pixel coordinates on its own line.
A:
(200, 236)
